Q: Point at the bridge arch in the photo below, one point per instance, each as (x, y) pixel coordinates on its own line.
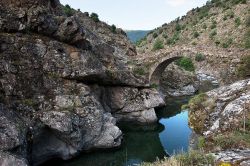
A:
(159, 67)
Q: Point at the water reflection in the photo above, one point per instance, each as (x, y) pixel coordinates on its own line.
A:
(144, 143)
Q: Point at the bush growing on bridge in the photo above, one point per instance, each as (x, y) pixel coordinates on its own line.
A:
(158, 45)
(186, 64)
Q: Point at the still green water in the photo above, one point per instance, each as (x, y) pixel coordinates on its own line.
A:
(144, 143)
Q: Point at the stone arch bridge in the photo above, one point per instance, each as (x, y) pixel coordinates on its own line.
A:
(219, 62)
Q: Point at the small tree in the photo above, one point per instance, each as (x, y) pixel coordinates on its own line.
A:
(95, 17)
(68, 10)
(113, 28)
(177, 27)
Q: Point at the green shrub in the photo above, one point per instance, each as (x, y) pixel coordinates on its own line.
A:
(160, 31)
(248, 21)
(243, 70)
(247, 39)
(237, 22)
(232, 139)
(204, 12)
(191, 158)
(94, 17)
(186, 64)
(177, 27)
(196, 34)
(217, 42)
(174, 38)
(139, 71)
(154, 86)
(158, 45)
(201, 142)
(227, 43)
(225, 18)
(194, 43)
(68, 10)
(197, 101)
(155, 35)
(214, 24)
(195, 158)
(213, 33)
(199, 57)
(141, 42)
(204, 26)
(230, 14)
(165, 35)
(113, 28)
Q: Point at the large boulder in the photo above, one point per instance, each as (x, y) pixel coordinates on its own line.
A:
(131, 104)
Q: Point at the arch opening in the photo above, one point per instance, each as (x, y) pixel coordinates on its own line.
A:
(156, 75)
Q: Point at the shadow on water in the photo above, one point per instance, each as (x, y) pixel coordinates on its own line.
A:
(139, 144)
(144, 143)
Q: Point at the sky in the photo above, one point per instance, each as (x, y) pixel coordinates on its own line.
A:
(136, 14)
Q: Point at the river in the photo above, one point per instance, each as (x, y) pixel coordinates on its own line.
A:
(169, 136)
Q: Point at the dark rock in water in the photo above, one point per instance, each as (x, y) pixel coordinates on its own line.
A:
(62, 83)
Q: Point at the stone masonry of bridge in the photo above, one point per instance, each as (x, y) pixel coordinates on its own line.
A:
(219, 62)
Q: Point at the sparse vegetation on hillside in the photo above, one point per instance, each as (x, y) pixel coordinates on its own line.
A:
(210, 25)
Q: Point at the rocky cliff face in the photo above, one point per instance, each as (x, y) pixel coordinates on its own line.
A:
(62, 82)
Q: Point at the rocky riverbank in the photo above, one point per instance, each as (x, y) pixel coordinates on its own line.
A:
(222, 116)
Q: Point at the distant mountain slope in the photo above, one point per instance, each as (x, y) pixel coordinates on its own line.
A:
(136, 35)
(220, 23)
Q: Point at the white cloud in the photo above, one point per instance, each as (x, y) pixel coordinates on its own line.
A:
(176, 3)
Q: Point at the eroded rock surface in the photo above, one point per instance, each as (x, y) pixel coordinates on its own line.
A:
(223, 109)
(63, 83)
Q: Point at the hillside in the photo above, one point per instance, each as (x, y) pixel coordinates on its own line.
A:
(219, 23)
(136, 35)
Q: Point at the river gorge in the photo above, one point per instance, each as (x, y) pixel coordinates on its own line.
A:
(76, 91)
